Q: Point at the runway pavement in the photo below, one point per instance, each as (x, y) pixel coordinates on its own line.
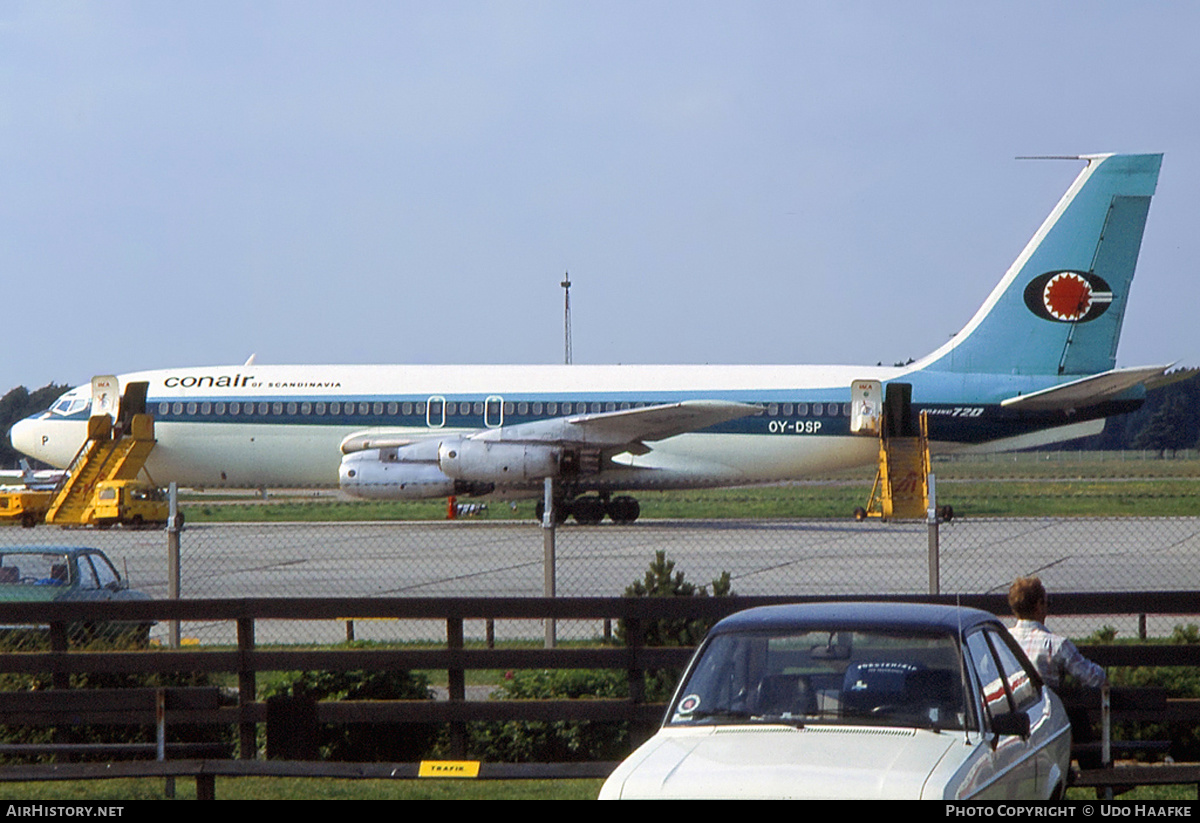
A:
(478, 558)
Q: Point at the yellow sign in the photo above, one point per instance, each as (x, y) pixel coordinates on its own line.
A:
(448, 768)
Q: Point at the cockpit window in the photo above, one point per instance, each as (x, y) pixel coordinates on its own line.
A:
(69, 404)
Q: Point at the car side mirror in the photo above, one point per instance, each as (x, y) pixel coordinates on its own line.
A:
(1011, 723)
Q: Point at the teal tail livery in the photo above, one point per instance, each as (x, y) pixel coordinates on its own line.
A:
(1035, 365)
(1059, 308)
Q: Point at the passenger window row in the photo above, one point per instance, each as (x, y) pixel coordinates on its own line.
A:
(452, 408)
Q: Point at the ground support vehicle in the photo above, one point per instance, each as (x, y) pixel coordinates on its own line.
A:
(130, 503)
(113, 453)
(25, 506)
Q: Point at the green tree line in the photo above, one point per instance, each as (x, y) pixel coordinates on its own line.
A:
(18, 404)
(1169, 420)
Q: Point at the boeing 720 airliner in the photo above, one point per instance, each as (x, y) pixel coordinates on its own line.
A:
(1036, 364)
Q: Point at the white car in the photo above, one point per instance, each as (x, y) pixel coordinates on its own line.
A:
(855, 700)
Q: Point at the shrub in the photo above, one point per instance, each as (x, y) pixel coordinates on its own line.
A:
(661, 580)
(566, 741)
(560, 741)
(1179, 681)
(362, 742)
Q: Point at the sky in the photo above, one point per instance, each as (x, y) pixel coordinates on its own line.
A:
(407, 182)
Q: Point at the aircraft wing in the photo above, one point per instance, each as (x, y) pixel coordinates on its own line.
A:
(1086, 391)
(39, 480)
(626, 428)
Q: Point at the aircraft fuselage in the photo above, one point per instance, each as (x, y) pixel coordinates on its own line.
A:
(283, 425)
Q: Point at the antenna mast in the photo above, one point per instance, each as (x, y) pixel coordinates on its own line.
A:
(566, 284)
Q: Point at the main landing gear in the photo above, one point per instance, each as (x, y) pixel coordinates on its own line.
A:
(590, 510)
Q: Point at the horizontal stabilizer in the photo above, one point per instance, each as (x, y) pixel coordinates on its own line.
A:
(1087, 391)
(1171, 377)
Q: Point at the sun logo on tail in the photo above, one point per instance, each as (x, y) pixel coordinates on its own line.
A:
(1068, 296)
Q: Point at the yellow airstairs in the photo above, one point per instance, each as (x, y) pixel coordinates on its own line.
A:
(902, 482)
(110, 453)
(901, 489)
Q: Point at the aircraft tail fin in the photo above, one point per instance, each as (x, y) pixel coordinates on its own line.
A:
(1058, 310)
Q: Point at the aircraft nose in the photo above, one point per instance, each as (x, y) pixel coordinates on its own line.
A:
(26, 436)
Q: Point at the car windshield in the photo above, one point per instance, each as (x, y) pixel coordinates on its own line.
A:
(47, 569)
(831, 676)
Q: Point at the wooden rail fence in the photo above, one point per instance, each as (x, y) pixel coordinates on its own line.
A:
(248, 660)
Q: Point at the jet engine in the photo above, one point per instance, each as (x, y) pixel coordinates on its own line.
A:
(501, 463)
(375, 474)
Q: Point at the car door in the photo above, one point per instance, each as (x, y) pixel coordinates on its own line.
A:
(103, 574)
(1010, 770)
(88, 584)
(1047, 729)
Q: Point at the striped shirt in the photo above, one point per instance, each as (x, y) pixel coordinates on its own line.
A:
(1055, 656)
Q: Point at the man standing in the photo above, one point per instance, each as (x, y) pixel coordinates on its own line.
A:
(1053, 655)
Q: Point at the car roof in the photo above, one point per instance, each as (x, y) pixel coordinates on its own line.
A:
(47, 550)
(924, 617)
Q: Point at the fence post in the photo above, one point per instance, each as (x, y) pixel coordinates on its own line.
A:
(173, 568)
(247, 733)
(633, 671)
(1106, 734)
(549, 520)
(59, 680)
(636, 678)
(160, 737)
(456, 686)
(931, 517)
(59, 643)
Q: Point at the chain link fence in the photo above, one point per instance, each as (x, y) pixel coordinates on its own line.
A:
(499, 559)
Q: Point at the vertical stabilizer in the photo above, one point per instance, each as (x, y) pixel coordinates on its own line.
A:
(1058, 310)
